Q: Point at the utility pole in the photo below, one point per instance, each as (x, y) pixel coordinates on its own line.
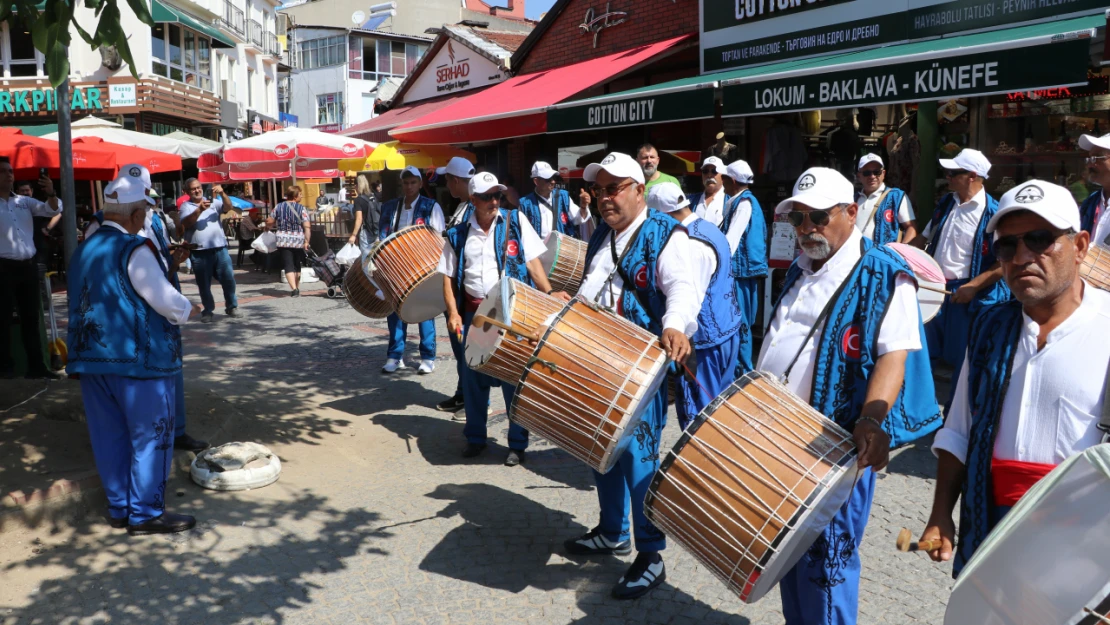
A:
(65, 165)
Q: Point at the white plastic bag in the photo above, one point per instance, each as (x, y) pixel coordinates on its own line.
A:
(265, 243)
(349, 255)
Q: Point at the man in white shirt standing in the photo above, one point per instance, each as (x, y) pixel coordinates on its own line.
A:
(746, 230)
(637, 263)
(710, 203)
(885, 214)
(19, 278)
(958, 241)
(1030, 392)
(845, 336)
(493, 245)
(1093, 216)
(457, 174)
(550, 209)
(200, 219)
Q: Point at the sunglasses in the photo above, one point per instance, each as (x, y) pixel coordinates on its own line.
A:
(870, 173)
(1091, 160)
(612, 190)
(489, 197)
(952, 173)
(1036, 241)
(817, 218)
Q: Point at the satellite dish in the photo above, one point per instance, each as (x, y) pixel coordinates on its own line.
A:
(358, 17)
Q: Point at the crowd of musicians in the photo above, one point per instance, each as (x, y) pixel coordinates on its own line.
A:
(1019, 326)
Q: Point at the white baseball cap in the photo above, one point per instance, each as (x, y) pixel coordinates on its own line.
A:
(968, 160)
(667, 197)
(617, 164)
(412, 170)
(484, 183)
(458, 167)
(543, 170)
(131, 185)
(1051, 201)
(1087, 142)
(716, 162)
(870, 158)
(819, 188)
(739, 171)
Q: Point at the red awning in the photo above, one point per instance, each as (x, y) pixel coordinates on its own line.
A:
(377, 129)
(516, 107)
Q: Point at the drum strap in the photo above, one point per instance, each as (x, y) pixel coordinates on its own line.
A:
(608, 284)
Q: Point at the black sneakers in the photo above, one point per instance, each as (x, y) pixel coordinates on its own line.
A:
(451, 404)
(593, 543)
(646, 572)
(472, 450)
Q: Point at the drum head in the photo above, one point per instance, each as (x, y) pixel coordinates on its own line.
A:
(657, 376)
(481, 342)
(425, 301)
(930, 299)
(549, 258)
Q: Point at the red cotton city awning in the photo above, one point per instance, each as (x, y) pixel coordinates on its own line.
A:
(377, 129)
(516, 107)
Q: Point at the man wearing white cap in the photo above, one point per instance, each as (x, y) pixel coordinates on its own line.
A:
(710, 203)
(637, 263)
(885, 214)
(1093, 213)
(721, 328)
(457, 173)
(958, 241)
(124, 342)
(548, 208)
(493, 244)
(746, 230)
(1030, 392)
(845, 336)
(411, 209)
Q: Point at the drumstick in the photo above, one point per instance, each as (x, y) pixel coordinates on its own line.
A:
(905, 542)
(933, 289)
(484, 320)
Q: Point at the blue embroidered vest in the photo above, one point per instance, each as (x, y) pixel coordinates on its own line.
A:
(982, 258)
(560, 212)
(720, 316)
(111, 329)
(886, 218)
(848, 350)
(421, 214)
(640, 301)
(1087, 213)
(992, 342)
(508, 243)
(750, 258)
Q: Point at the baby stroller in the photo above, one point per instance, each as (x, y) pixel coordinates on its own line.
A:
(329, 271)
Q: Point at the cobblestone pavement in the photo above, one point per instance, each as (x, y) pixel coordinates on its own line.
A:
(377, 518)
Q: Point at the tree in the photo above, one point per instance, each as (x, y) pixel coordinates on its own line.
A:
(51, 35)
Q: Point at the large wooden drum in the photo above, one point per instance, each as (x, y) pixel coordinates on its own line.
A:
(752, 482)
(592, 376)
(365, 296)
(404, 266)
(502, 354)
(1096, 266)
(565, 262)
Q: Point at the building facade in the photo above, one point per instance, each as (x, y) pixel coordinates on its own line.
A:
(413, 17)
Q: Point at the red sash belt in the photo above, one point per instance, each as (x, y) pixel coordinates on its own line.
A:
(1012, 479)
(471, 303)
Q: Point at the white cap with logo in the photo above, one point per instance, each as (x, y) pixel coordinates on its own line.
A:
(870, 158)
(819, 188)
(667, 197)
(543, 170)
(411, 170)
(968, 160)
(131, 185)
(617, 164)
(1088, 142)
(1051, 201)
(458, 167)
(740, 172)
(716, 162)
(484, 183)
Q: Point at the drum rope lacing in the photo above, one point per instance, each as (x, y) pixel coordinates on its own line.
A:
(397, 268)
(1097, 266)
(1101, 618)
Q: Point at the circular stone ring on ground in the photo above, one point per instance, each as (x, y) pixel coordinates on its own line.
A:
(236, 466)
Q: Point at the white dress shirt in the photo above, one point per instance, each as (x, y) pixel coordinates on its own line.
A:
(435, 221)
(714, 213)
(705, 262)
(740, 220)
(802, 305)
(17, 225)
(1102, 227)
(673, 276)
(547, 216)
(958, 236)
(150, 283)
(480, 273)
(865, 218)
(1052, 405)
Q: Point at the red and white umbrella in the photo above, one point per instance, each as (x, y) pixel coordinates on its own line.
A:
(215, 168)
(300, 148)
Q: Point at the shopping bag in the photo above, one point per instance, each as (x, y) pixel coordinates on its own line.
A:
(265, 243)
(349, 255)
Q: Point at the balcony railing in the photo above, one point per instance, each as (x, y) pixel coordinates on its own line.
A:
(271, 46)
(232, 18)
(254, 33)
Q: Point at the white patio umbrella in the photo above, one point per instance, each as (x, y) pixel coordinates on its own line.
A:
(192, 144)
(114, 133)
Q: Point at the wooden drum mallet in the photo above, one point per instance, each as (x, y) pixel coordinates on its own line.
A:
(905, 542)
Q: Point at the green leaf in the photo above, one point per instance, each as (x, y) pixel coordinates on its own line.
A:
(141, 11)
(125, 54)
(38, 33)
(84, 35)
(57, 64)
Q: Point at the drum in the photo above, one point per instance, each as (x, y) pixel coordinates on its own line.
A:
(364, 296)
(752, 482)
(1096, 266)
(501, 354)
(591, 377)
(930, 297)
(1045, 562)
(930, 279)
(405, 265)
(565, 262)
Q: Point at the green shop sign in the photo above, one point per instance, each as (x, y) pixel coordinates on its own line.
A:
(1002, 71)
(46, 101)
(633, 110)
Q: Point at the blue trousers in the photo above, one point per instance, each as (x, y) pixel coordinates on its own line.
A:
(716, 371)
(460, 359)
(627, 482)
(179, 404)
(208, 264)
(131, 429)
(475, 387)
(747, 294)
(398, 331)
(946, 334)
(823, 587)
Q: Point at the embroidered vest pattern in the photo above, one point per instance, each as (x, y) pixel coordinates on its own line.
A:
(510, 253)
(982, 257)
(720, 316)
(886, 218)
(750, 258)
(421, 214)
(560, 212)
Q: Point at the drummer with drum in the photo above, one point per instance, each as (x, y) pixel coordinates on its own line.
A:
(550, 209)
(637, 264)
(746, 230)
(1030, 393)
(493, 243)
(845, 336)
(721, 330)
(885, 213)
(411, 209)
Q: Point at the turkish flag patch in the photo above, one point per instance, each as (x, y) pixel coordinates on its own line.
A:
(641, 278)
(850, 342)
(512, 248)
